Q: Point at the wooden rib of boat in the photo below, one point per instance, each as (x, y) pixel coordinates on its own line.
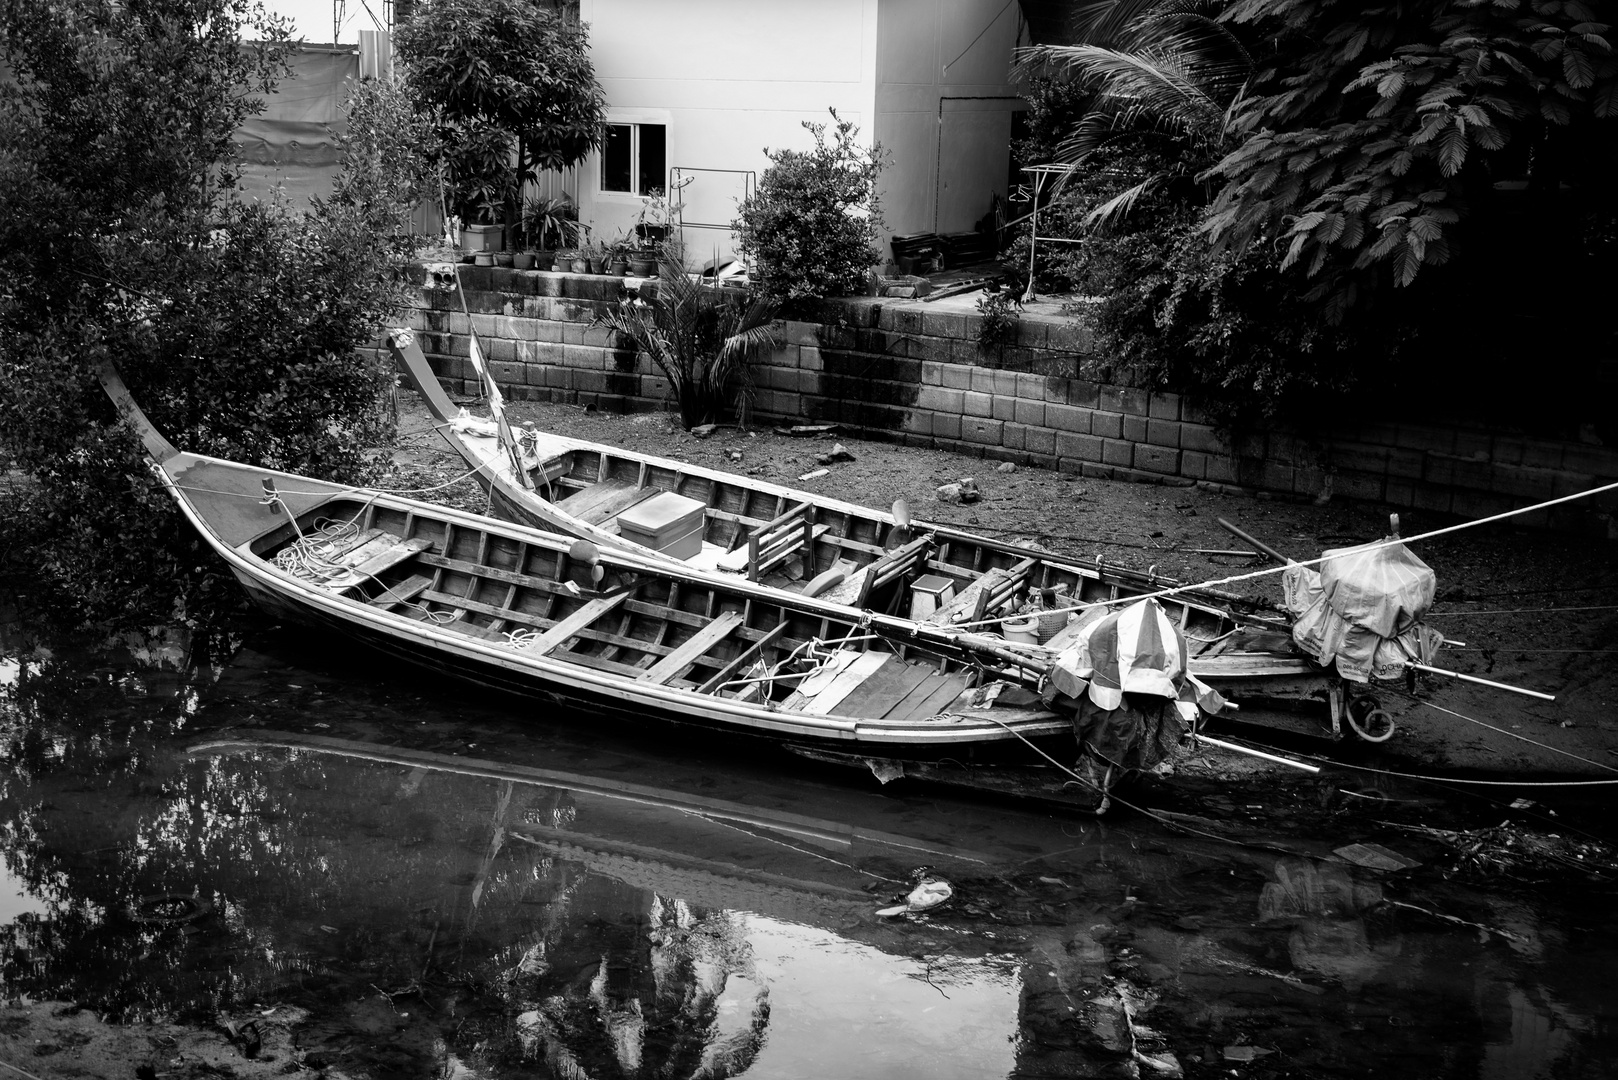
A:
(555, 618)
(845, 554)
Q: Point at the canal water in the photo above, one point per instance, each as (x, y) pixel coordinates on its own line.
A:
(419, 882)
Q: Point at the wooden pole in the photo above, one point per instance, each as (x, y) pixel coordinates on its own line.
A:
(1265, 548)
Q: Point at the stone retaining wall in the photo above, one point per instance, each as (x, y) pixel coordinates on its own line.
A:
(908, 371)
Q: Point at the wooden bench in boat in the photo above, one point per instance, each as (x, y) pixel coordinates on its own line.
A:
(570, 625)
(388, 555)
(602, 501)
(691, 650)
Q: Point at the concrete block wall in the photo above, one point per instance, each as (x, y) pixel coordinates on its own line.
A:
(907, 371)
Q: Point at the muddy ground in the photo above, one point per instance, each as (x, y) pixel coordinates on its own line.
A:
(1534, 609)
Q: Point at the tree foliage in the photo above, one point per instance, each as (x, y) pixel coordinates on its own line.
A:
(1301, 164)
(811, 228)
(511, 88)
(1378, 127)
(235, 323)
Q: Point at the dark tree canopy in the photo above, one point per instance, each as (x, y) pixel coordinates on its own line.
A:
(1378, 127)
(1283, 199)
(512, 88)
(235, 323)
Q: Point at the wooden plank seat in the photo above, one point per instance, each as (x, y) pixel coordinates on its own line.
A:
(743, 659)
(402, 593)
(690, 650)
(570, 625)
(373, 557)
(607, 499)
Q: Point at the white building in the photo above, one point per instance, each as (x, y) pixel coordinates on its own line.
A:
(698, 89)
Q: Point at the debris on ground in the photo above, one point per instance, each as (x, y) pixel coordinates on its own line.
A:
(930, 892)
(964, 490)
(837, 453)
(1512, 850)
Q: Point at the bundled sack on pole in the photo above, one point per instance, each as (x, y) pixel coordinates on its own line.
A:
(1361, 612)
(1125, 680)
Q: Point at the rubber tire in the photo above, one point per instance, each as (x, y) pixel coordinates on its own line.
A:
(1370, 726)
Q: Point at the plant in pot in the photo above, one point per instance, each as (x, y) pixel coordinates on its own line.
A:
(549, 226)
(618, 256)
(653, 229)
(598, 254)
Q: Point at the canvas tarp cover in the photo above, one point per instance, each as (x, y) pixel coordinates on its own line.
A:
(1126, 683)
(1361, 612)
(293, 142)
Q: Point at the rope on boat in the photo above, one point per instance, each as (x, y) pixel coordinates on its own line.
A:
(1269, 570)
(306, 557)
(1532, 742)
(1459, 779)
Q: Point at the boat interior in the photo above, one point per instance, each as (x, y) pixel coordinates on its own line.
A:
(568, 603)
(860, 558)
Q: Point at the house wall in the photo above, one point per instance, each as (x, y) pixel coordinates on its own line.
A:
(908, 372)
(728, 78)
(943, 110)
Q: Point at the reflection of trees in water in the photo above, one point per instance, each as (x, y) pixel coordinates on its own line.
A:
(683, 1002)
(302, 878)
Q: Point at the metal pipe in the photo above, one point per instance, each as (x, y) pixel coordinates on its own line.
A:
(1223, 745)
(1483, 682)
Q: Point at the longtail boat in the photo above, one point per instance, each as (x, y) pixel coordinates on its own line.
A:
(557, 618)
(741, 528)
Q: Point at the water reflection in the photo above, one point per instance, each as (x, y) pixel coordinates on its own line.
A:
(415, 885)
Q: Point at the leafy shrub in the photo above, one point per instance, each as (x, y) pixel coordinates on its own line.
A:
(235, 324)
(811, 228)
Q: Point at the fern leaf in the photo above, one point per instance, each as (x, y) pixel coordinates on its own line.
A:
(1353, 232)
(1451, 150)
(1406, 264)
(1577, 68)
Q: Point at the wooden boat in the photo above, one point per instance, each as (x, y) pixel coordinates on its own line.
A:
(556, 618)
(741, 528)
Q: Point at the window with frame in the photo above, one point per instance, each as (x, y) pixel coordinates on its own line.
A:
(633, 158)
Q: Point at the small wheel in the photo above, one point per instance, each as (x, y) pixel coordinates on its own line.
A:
(1372, 725)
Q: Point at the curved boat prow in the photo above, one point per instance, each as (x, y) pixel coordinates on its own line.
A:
(158, 448)
(408, 355)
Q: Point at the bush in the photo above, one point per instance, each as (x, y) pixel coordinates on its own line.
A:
(811, 228)
(234, 324)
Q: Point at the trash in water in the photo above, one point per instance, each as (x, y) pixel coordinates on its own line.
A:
(1375, 857)
(929, 892)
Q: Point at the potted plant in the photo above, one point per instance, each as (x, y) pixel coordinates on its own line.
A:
(618, 257)
(597, 254)
(549, 226)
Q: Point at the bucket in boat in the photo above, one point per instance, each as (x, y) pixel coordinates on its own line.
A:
(1023, 629)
